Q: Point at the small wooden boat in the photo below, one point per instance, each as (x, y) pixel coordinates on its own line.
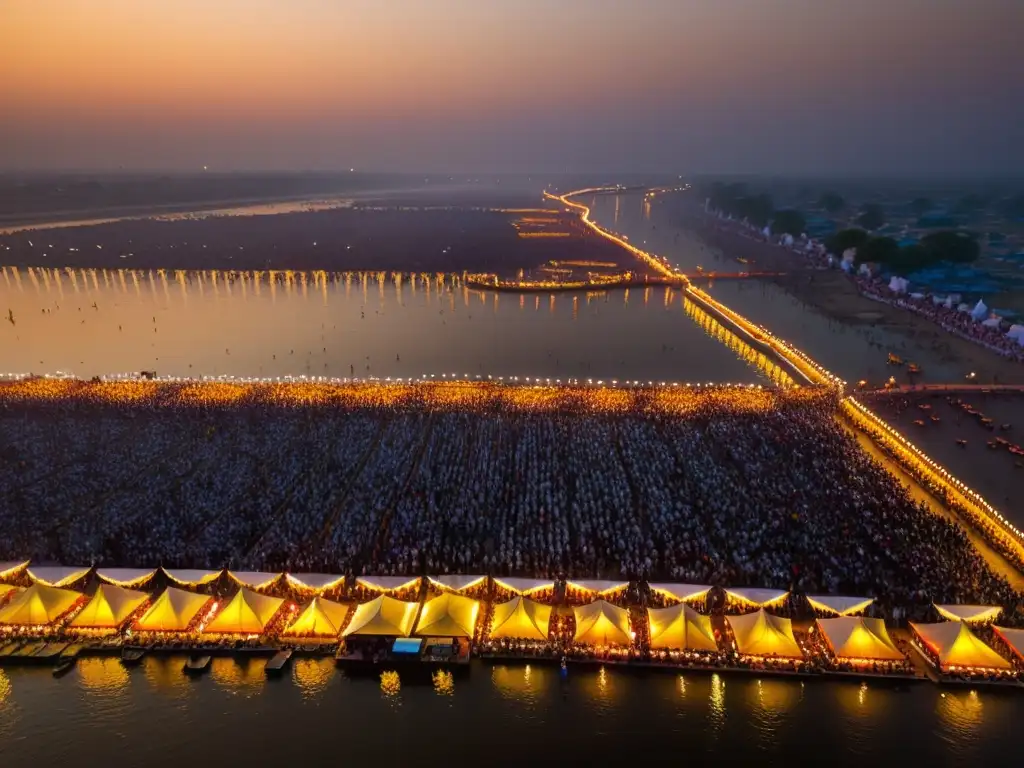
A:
(197, 665)
(918, 422)
(64, 665)
(9, 649)
(894, 359)
(132, 656)
(51, 651)
(277, 664)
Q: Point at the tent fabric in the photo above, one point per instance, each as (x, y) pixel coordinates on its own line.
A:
(191, 577)
(109, 608)
(254, 579)
(598, 586)
(320, 618)
(8, 591)
(679, 626)
(383, 616)
(969, 613)
(859, 637)
(523, 586)
(39, 605)
(125, 577)
(761, 634)
(1014, 638)
(601, 623)
(956, 646)
(521, 619)
(841, 606)
(759, 597)
(57, 575)
(682, 592)
(318, 582)
(456, 582)
(173, 611)
(247, 613)
(449, 615)
(7, 570)
(387, 583)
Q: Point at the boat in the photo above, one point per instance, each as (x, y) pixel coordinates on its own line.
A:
(132, 656)
(64, 665)
(27, 651)
(894, 359)
(277, 664)
(9, 649)
(50, 651)
(197, 665)
(913, 368)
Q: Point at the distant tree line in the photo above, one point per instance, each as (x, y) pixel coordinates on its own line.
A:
(946, 246)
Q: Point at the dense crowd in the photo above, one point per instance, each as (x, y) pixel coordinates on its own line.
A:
(774, 499)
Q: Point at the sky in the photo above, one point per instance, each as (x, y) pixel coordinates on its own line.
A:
(687, 86)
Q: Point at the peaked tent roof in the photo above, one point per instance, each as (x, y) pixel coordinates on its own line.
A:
(679, 626)
(755, 596)
(600, 586)
(456, 582)
(761, 634)
(125, 577)
(955, 645)
(522, 619)
(387, 583)
(38, 605)
(682, 592)
(969, 612)
(320, 618)
(10, 569)
(858, 637)
(191, 577)
(523, 586)
(8, 591)
(383, 616)
(109, 608)
(247, 613)
(841, 606)
(173, 611)
(449, 615)
(57, 575)
(1013, 638)
(601, 623)
(318, 582)
(254, 579)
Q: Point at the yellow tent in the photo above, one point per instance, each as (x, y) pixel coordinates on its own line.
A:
(457, 582)
(971, 613)
(133, 578)
(682, 592)
(383, 616)
(956, 646)
(11, 569)
(597, 586)
(7, 591)
(109, 608)
(858, 637)
(839, 606)
(522, 619)
(523, 586)
(449, 615)
(761, 634)
(1014, 638)
(759, 597)
(387, 583)
(56, 575)
(173, 611)
(601, 623)
(320, 618)
(247, 613)
(679, 626)
(38, 605)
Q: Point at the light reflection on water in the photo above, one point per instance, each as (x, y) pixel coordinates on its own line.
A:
(104, 675)
(312, 675)
(238, 676)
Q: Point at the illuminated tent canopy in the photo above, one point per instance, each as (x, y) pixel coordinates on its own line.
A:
(383, 616)
(523, 586)
(190, 577)
(598, 586)
(761, 634)
(126, 577)
(679, 626)
(449, 615)
(173, 611)
(38, 605)
(1014, 638)
(601, 623)
(57, 575)
(969, 613)
(681, 592)
(858, 637)
(6, 591)
(955, 645)
(521, 619)
(457, 582)
(839, 606)
(759, 597)
(247, 613)
(317, 582)
(254, 579)
(109, 608)
(8, 570)
(320, 618)
(387, 583)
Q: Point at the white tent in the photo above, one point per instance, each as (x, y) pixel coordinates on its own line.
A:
(969, 613)
(523, 586)
(191, 577)
(387, 583)
(992, 322)
(57, 575)
(599, 586)
(254, 579)
(758, 597)
(456, 582)
(898, 284)
(10, 569)
(980, 311)
(681, 592)
(318, 582)
(125, 577)
(840, 606)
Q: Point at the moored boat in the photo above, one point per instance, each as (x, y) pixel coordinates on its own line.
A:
(277, 664)
(132, 656)
(197, 665)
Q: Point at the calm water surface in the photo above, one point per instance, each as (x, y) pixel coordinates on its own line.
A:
(513, 715)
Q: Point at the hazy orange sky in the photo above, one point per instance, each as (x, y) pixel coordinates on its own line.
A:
(455, 85)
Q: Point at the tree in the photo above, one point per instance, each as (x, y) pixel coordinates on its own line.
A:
(953, 246)
(845, 239)
(872, 216)
(832, 202)
(789, 222)
(969, 203)
(757, 209)
(912, 258)
(881, 250)
(921, 205)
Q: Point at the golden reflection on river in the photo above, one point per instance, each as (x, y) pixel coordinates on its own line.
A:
(104, 675)
(961, 714)
(5, 688)
(312, 675)
(167, 675)
(239, 676)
